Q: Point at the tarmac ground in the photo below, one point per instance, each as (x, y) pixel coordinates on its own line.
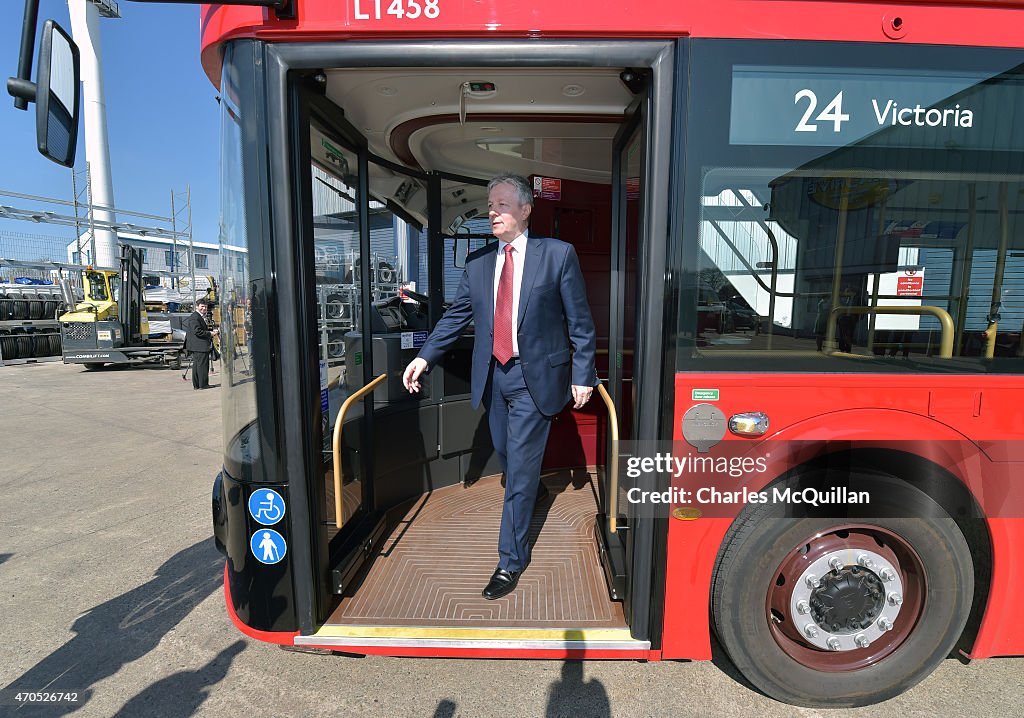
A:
(111, 588)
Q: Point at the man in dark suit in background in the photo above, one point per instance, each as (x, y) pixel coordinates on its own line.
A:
(533, 352)
(199, 343)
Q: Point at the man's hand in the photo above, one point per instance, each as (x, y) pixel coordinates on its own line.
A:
(411, 377)
(580, 395)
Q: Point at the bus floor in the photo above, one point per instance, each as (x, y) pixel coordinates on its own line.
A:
(441, 552)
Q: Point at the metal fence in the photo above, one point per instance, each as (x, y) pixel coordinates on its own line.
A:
(25, 247)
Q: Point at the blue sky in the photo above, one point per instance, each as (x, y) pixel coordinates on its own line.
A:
(162, 117)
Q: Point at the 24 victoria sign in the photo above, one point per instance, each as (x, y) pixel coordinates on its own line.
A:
(783, 105)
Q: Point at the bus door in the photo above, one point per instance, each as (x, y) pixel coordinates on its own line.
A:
(381, 278)
(341, 494)
(614, 522)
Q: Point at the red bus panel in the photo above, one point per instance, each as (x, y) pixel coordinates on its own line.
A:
(986, 24)
(928, 411)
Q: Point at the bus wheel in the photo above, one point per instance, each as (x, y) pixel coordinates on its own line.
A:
(823, 612)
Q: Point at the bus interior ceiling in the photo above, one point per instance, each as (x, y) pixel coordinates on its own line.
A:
(440, 547)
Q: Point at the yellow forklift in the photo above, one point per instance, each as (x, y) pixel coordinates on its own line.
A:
(111, 326)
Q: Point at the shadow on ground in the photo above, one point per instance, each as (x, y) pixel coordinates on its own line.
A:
(572, 697)
(180, 695)
(128, 627)
(568, 697)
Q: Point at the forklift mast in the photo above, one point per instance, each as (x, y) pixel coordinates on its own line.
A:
(130, 307)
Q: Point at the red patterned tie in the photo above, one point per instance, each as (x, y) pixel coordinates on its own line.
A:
(503, 311)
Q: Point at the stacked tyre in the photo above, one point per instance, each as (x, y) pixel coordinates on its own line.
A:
(336, 307)
(8, 345)
(46, 345)
(36, 307)
(336, 345)
(51, 306)
(24, 345)
(386, 274)
(17, 307)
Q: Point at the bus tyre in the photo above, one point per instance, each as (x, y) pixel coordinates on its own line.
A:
(826, 612)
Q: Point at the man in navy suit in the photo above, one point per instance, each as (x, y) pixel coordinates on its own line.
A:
(533, 352)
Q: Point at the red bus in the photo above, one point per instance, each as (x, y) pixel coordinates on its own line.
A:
(800, 224)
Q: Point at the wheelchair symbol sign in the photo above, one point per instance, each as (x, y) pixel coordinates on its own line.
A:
(268, 546)
(266, 506)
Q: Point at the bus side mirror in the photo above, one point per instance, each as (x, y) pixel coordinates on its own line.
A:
(57, 95)
(461, 250)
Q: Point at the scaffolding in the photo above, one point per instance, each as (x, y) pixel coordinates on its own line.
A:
(177, 227)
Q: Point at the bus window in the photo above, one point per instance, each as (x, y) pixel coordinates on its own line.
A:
(243, 312)
(835, 306)
(889, 248)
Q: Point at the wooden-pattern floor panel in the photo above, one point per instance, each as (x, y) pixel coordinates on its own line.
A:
(438, 558)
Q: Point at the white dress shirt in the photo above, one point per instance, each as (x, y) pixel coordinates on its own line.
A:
(518, 259)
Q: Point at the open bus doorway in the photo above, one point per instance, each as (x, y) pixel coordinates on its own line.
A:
(409, 518)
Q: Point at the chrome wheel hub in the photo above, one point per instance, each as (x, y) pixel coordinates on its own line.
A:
(847, 599)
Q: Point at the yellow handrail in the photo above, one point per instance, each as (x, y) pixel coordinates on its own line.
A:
(613, 458)
(990, 340)
(945, 345)
(336, 444)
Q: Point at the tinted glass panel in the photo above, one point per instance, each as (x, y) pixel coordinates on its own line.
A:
(239, 297)
(846, 214)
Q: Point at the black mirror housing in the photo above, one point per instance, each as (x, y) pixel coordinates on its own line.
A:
(58, 89)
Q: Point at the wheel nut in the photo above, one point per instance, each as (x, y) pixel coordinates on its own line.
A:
(895, 599)
(865, 561)
(811, 630)
(833, 644)
(813, 581)
(803, 607)
(836, 563)
(887, 575)
(861, 640)
(885, 624)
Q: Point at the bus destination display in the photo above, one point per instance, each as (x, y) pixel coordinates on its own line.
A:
(785, 105)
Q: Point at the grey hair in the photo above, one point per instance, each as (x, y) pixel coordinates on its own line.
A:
(524, 192)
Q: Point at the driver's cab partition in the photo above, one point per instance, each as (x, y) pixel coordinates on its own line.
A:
(582, 217)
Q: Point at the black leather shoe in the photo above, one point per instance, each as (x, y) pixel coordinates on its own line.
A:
(501, 584)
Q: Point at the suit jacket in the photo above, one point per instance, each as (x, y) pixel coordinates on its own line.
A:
(557, 340)
(198, 337)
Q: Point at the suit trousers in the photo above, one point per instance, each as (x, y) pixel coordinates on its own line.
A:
(519, 432)
(200, 370)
